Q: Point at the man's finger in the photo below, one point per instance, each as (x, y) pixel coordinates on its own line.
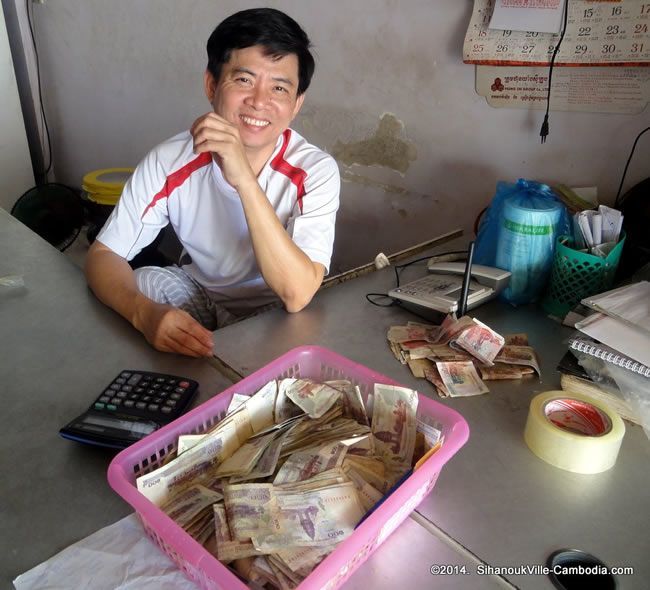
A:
(188, 344)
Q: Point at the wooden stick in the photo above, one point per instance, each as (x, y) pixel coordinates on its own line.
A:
(396, 257)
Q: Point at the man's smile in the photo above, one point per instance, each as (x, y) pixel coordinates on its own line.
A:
(254, 122)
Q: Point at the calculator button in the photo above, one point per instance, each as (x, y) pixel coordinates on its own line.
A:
(184, 384)
(153, 407)
(109, 392)
(127, 388)
(111, 407)
(158, 400)
(176, 396)
(135, 378)
(125, 374)
(180, 390)
(162, 394)
(120, 381)
(114, 386)
(171, 403)
(160, 379)
(166, 410)
(146, 398)
(99, 406)
(152, 392)
(167, 388)
(134, 396)
(129, 403)
(156, 386)
(141, 405)
(139, 389)
(121, 394)
(116, 401)
(172, 381)
(104, 399)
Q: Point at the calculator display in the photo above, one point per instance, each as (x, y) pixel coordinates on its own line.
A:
(137, 428)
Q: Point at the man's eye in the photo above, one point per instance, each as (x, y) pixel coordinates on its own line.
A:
(280, 88)
(244, 80)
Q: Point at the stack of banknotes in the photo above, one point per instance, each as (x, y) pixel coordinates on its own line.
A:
(289, 472)
(460, 354)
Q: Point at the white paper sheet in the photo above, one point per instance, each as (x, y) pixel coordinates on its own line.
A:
(542, 16)
(630, 341)
(630, 304)
(117, 557)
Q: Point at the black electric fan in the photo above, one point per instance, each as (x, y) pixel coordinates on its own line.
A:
(53, 211)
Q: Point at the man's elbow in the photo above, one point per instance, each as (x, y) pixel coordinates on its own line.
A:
(297, 302)
(297, 296)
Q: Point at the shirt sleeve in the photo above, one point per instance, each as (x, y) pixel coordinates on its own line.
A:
(140, 213)
(311, 225)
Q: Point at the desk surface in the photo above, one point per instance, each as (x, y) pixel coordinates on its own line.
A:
(495, 498)
(58, 346)
(58, 343)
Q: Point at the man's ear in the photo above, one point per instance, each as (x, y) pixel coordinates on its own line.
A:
(299, 100)
(210, 85)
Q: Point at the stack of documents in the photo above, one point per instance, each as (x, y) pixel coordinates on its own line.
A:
(613, 343)
(622, 321)
(597, 231)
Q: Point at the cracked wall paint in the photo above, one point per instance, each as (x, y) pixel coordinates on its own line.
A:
(347, 176)
(384, 148)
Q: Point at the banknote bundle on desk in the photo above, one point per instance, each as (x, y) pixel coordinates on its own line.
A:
(460, 354)
(289, 473)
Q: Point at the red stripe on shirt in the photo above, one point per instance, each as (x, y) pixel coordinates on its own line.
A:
(176, 179)
(296, 175)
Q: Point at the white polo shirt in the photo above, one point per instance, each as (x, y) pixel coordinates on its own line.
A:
(174, 185)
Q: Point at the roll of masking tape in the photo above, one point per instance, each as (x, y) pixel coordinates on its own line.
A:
(573, 432)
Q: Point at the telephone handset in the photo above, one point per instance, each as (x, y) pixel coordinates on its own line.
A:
(441, 289)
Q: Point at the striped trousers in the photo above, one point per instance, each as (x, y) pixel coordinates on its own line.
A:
(173, 286)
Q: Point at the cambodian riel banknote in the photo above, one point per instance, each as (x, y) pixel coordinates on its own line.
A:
(312, 397)
(394, 422)
(519, 355)
(308, 462)
(461, 379)
(480, 341)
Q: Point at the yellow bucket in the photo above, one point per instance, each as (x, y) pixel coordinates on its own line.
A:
(104, 187)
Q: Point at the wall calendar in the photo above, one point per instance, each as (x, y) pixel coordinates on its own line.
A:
(598, 33)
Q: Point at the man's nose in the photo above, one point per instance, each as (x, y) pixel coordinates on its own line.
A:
(258, 97)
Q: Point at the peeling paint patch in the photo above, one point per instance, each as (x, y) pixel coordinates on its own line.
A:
(347, 176)
(383, 148)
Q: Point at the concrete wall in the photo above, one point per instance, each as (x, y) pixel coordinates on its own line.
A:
(16, 174)
(419, 151)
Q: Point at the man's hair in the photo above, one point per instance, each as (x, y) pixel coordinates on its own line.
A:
(277, 32)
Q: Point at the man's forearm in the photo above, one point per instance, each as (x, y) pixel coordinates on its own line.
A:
(287, 270)
(113, 282)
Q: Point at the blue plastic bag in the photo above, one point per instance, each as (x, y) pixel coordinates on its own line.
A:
(518, 232)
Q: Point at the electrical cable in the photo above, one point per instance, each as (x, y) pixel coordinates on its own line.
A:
(397, 268)
(620, 186)
(544, 130)
(40, 95)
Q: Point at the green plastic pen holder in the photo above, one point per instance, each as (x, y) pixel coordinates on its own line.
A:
(576, 275)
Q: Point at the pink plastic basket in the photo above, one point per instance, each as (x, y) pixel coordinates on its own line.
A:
(310, 362)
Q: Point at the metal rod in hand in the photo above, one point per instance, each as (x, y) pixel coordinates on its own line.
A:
(462, 303)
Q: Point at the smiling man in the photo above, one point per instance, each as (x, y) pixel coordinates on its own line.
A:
(251, 201)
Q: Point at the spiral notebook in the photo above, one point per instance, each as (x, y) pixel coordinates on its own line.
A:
(601, 351)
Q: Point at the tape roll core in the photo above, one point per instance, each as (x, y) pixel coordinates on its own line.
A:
(573, 432)
(578, 417)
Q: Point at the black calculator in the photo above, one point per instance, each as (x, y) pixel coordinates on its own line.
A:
(133, 405)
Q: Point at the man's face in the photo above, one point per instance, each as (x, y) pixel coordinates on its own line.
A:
(258, 94)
